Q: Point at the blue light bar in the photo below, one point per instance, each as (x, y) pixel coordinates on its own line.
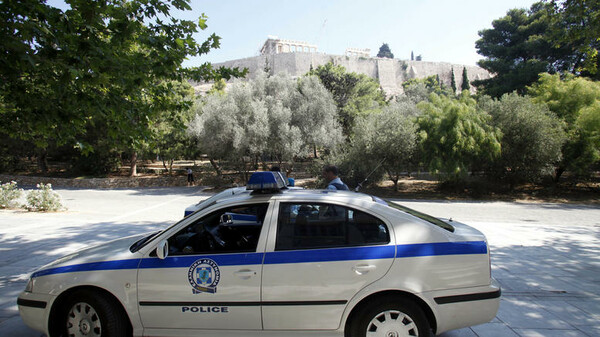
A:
(265, 181)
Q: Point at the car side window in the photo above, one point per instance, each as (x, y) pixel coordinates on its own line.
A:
(317, 225)
(227, 230)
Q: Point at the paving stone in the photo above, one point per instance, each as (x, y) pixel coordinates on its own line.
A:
(14, 327)
(494, 330)
(591, 331)
(550, 333)
(459, 333)
(528, 315)
(568, 312)
(590, 306)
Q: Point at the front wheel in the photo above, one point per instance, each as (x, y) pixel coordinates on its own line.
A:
(88, 315)
(396, 318)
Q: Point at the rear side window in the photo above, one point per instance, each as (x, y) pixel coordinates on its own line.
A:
(312, 225)
(422, 216)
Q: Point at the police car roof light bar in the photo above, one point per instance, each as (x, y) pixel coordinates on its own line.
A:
(266, 182)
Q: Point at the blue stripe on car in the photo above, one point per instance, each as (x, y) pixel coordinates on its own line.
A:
(281, 257)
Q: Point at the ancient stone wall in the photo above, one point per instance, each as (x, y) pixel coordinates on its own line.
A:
(390, 73)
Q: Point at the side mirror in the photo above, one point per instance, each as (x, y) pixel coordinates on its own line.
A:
(227, 219)
(162, 250)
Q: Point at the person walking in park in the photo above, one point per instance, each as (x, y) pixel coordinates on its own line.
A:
(190, 177)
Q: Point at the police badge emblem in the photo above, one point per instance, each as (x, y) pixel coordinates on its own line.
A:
(204, 276)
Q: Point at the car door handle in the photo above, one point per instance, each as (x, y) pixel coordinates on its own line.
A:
(245, 274)
(362, 269)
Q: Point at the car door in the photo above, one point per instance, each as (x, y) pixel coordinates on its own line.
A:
(211, 276)
(322, 256)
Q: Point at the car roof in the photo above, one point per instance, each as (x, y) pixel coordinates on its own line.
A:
(302, 194)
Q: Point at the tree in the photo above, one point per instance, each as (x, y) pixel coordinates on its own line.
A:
(385, 51)
(576, 101)
(465, 81)
(169, 137)
(453, 81)
(412, 56)
(387, 139)
(454, 136)
(532, 138)
(517, 49)
(269, 117)
(97, 65)
(576, 25)
(316, 114)
(354, 94)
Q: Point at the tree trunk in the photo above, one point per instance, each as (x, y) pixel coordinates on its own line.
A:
(558, 172)
(315, 151)
(216, 167)
(42, 160)
(133, 164)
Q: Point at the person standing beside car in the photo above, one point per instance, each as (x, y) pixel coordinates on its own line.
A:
(330, 173)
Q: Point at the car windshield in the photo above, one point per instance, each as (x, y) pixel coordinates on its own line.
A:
(422, 216)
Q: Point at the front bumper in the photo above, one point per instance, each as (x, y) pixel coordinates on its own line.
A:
(35, 310)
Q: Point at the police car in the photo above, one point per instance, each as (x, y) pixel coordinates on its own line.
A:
(274, 261)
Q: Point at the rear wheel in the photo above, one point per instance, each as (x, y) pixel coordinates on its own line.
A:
(393, 318)
(88, 315)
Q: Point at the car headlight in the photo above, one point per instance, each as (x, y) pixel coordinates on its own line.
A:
(29, 286)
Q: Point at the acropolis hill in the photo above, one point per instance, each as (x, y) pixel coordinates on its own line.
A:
(297, 57)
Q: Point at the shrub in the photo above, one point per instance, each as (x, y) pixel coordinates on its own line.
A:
(9, 194)
(44, 199)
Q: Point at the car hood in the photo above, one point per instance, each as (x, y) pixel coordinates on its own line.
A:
(109, 252)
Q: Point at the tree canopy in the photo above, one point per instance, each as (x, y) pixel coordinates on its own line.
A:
(96, 65)
(385, 51)
(577, 102)
(455, 136)
(354, 94)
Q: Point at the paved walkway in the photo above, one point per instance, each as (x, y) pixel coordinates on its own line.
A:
(546, 256)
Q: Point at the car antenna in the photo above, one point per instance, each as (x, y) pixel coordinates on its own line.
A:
(359, 186)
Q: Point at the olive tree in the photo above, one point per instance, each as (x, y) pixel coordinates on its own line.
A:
(386, 141)
(532, 137)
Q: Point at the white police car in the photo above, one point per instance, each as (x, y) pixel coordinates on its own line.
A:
(274, 262)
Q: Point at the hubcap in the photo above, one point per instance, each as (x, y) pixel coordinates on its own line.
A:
(392, 323)
(83, 321)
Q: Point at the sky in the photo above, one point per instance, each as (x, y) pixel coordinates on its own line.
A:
(439, 30)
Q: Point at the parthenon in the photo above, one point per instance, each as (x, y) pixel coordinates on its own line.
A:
(275, 45)
(366, 52)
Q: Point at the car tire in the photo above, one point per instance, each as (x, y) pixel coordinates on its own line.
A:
(397, 317)
(88, 314)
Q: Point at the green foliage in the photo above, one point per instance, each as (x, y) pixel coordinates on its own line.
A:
(274, 117)
(518, 48)
(389, 139)
(532, 138)
(354, 94)
(455, 136)
(218, 87)
(576, 25)
(453, 81)
(44, 199)
(419, 89)
(385, 51)
(9, 194)
(169, 138)
(577, 102)
(97, 65)
(465, 81)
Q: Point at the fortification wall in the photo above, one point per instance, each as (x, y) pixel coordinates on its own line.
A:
(390, 73)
